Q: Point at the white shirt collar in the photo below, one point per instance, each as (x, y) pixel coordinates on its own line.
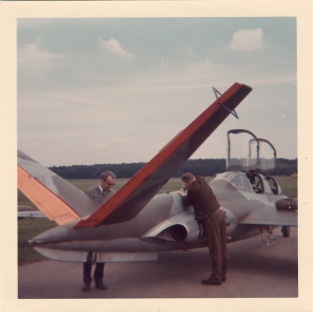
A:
(101, 189)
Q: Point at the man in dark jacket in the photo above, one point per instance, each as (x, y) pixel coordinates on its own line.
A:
(212, 218)
(101, 193)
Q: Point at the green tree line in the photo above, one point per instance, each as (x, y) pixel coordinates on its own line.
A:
(202, 167)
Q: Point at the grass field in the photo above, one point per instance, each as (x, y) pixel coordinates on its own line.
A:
(28, 228)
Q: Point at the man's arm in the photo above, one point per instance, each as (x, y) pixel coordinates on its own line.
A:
(186, 199)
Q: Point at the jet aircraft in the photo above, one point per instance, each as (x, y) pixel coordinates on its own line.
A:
(135, 224)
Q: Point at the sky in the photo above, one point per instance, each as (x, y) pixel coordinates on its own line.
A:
(116, 90)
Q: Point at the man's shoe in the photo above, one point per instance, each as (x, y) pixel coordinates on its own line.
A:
(86, 287)
(101, 286)
(210, 281)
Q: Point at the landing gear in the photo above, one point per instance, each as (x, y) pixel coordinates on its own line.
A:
(286, 231)
(267, 235)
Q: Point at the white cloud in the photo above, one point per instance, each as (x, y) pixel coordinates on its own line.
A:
(247, 40)
(122, 140)
(114, 47)
(35, 59)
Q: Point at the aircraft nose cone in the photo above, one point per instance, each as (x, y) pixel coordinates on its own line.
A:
(55, 235)
(32, 242)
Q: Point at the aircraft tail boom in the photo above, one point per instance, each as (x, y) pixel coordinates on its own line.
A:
(127, 202)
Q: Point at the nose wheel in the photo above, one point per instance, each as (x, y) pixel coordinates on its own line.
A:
(286, 231)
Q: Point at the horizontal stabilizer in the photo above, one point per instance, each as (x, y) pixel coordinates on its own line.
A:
(128, 201)
(51, 194)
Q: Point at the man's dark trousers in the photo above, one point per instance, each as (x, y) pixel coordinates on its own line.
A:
(98, 273)
(215, 231)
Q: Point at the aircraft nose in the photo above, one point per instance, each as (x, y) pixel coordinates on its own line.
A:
(57, 234)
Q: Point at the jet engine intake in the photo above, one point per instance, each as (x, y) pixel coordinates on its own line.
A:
(173, 233)
(178, 232)
(175, 230)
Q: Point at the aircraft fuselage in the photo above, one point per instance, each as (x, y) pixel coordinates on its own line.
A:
(162, 225)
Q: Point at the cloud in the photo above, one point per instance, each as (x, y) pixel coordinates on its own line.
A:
(114, 47)
(122, 140)
(247, 40)
(35, 59)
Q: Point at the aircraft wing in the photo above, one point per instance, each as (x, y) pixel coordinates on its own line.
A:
(54, 196)
(268, 216)
(128, 201)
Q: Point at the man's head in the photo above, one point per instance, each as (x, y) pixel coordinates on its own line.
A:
(188, 178)
(107, 180)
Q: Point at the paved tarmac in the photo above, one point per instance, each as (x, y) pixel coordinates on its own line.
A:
(254, 271)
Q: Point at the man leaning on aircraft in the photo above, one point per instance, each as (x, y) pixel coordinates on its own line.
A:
(212, 218)
(101, 193)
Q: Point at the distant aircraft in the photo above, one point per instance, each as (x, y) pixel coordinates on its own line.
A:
(135, 224)
(28, 212)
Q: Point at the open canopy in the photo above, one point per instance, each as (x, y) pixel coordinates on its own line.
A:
(246, 151)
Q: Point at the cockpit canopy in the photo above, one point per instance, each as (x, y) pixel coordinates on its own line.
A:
(246, 151)
(251, 181)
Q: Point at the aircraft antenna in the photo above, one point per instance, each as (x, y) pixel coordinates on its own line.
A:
(217, 95)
